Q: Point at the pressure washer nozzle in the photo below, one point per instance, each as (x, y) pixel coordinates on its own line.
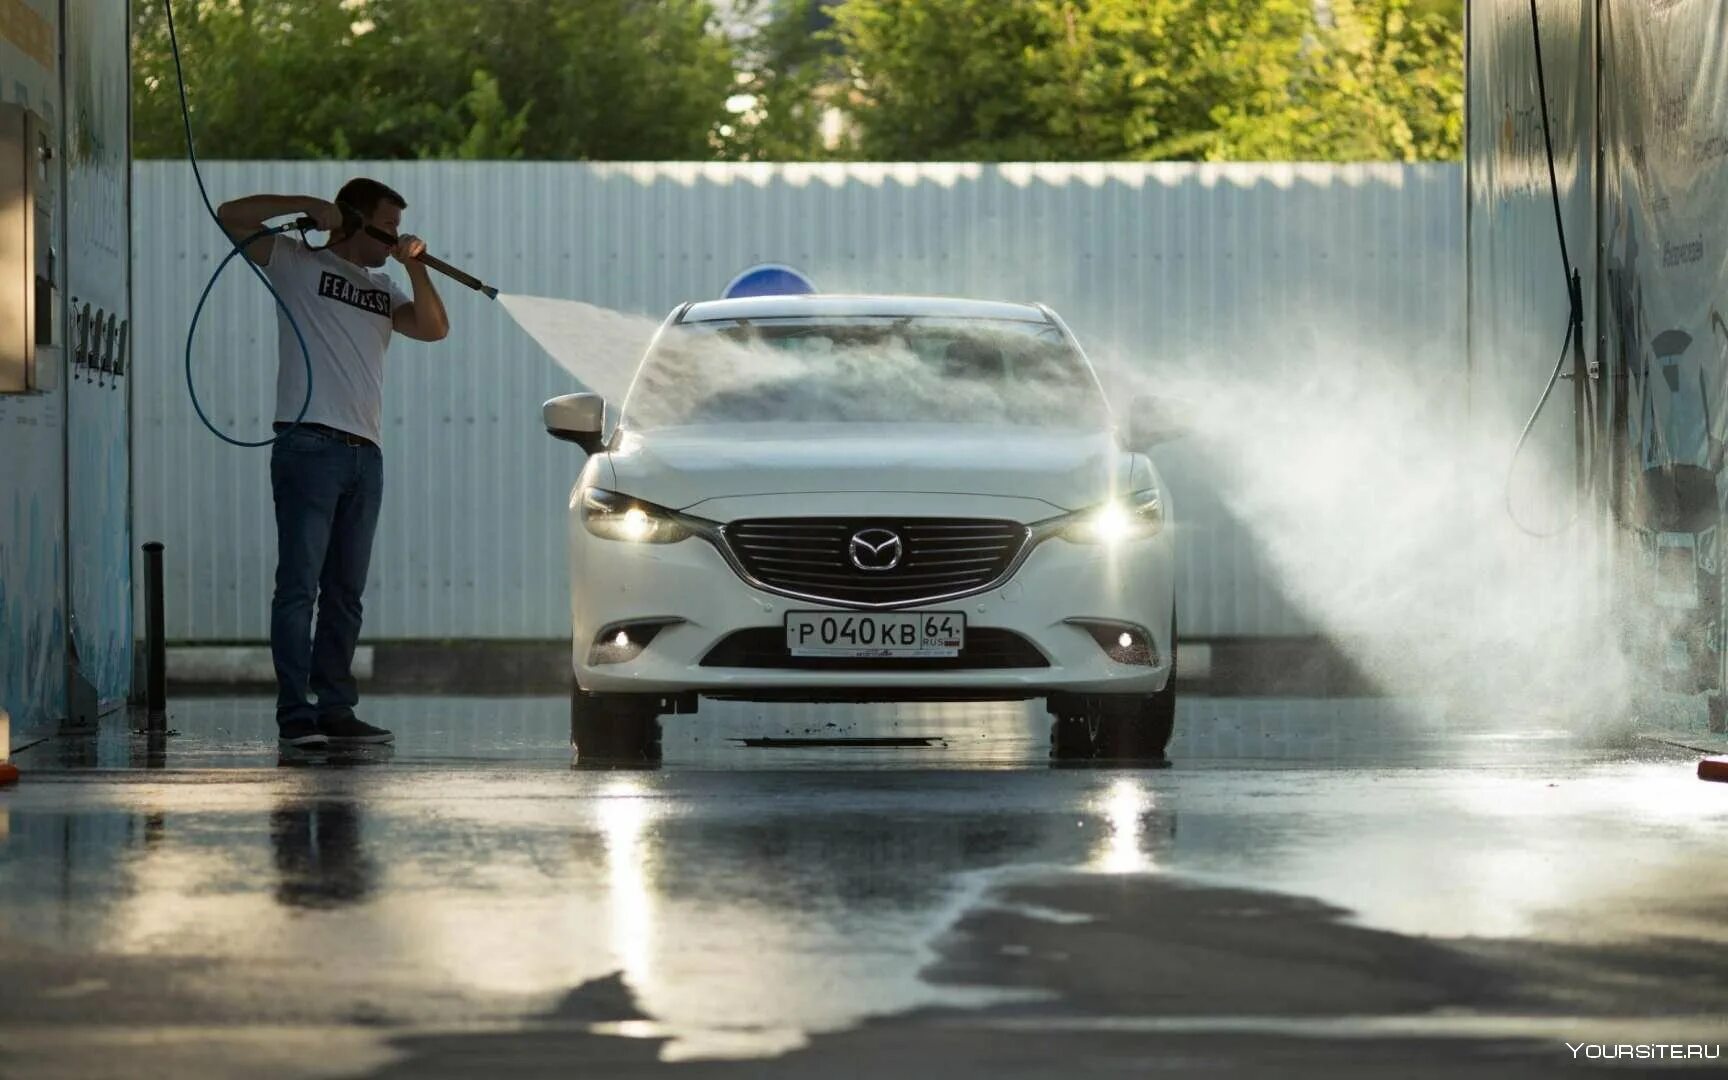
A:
(491, 293)
(1713, 768)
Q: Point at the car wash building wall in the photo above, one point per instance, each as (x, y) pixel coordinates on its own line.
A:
(1223, 265)
(1518, 306)
(1638, 111)
(65, 414)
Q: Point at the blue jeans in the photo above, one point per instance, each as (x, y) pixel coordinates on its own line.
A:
(327, 498)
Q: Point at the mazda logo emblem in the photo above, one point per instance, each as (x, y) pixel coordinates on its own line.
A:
(875, 549)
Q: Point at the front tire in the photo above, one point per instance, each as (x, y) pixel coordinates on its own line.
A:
(614, 728)
(1123, 727)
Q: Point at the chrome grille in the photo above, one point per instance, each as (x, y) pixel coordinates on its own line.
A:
(941, 558)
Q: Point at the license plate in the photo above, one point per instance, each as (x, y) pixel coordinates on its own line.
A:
(915, 634)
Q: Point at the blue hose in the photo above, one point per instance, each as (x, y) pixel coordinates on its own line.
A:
(237, 249)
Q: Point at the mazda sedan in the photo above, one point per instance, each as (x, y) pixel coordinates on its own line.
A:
(869, 499)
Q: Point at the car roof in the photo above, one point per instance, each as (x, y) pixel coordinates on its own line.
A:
(820, 305)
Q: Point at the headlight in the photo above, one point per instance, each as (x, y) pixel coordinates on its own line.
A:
(613, 516)
(1131, 517)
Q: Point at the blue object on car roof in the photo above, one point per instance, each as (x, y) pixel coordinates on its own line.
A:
(768, 279)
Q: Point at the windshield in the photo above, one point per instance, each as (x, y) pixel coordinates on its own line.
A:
(865, 370)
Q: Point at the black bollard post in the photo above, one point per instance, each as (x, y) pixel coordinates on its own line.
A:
(155, 652)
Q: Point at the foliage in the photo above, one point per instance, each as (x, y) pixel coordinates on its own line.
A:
(1037, 80)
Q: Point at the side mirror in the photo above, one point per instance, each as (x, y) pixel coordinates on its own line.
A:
(577, 418)
(1153, 420)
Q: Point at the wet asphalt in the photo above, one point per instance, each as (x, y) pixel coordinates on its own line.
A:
(1328, 887)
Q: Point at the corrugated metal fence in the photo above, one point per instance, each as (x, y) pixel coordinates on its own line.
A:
(1142, 260)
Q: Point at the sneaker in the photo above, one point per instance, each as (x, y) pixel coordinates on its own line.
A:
(301, 733)
(345, 727)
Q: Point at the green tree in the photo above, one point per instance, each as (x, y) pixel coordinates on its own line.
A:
(389, 79)
(1384, 82)
(233, 53)
(1153, 79)
(914, 79)
(496, 134)
(790, 70)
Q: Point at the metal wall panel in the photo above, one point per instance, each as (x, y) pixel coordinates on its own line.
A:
(98, 258)
(1143, 260)
(1663, 185)
(1638, 103)
(33, 445)
(1517, 292)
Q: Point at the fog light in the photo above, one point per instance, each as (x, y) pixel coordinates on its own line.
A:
(1125, 643)
(622, 642)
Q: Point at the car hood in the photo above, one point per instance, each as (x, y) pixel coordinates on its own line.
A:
(681, 467)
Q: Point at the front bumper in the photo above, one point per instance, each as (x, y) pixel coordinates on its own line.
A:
(617, 582)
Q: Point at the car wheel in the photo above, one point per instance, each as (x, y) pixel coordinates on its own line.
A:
(1116, 726)
(614, 728)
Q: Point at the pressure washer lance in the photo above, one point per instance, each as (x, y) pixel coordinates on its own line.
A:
(432, 262)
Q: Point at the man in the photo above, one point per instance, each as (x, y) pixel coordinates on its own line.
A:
(328, 472)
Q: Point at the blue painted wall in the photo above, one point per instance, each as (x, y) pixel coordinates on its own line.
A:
(32, 454)
(74, 438)
(98, 176)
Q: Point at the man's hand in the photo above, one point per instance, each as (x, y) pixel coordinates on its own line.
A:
(423, 317)
(244, 218)
(408, 248)
(327, 214)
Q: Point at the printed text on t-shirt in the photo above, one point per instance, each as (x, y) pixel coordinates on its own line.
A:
(337, 287)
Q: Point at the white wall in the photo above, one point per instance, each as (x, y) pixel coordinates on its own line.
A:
(1144, 262)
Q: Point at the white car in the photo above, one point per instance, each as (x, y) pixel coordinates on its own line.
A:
(862, 499)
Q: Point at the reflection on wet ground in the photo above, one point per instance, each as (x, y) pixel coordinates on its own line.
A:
(1346, 862)
(454, 732)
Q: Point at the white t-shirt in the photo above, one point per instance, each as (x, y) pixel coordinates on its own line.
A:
(344, 311)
